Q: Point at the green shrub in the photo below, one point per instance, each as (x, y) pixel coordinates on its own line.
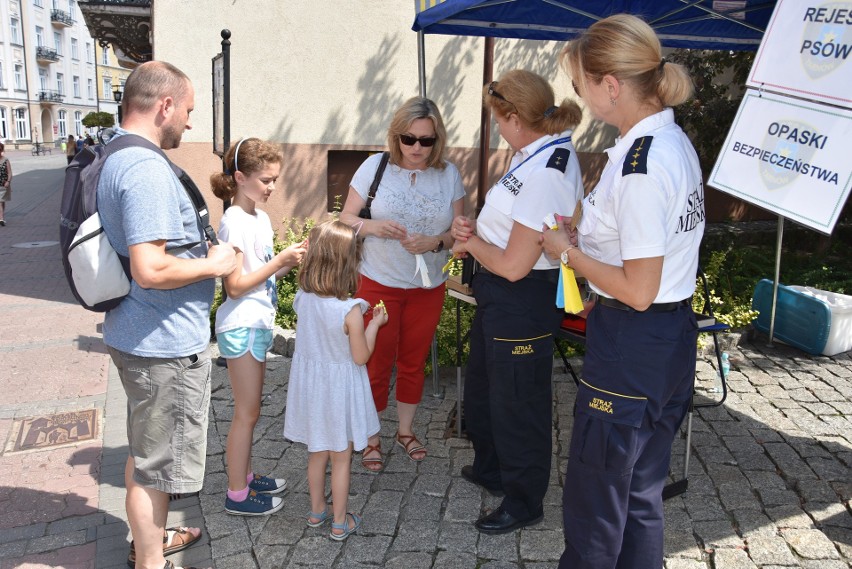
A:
(296, 232)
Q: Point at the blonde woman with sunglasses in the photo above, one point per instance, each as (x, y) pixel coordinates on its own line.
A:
(406, 243)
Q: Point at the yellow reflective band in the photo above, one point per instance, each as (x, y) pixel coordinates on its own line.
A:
(612, 392)
(522, 339)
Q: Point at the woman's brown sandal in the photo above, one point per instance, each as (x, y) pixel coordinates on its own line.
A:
(411, 446)
(375, 463)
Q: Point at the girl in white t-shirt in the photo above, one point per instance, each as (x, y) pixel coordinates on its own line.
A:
(244, 321)
(330, 405)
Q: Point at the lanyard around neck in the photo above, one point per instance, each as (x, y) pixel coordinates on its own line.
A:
(545, 147)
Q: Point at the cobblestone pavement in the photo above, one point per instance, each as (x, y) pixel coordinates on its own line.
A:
(769, 481)
(769, 476)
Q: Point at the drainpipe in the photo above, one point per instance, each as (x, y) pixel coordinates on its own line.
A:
(26, 81)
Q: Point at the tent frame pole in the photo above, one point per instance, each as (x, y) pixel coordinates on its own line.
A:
(775, 278)
(421, 62)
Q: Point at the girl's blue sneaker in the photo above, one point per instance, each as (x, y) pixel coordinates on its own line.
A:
(254, 505)
(267, 485)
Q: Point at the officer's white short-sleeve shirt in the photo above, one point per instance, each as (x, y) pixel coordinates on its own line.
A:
(541, 180)
(649, 202)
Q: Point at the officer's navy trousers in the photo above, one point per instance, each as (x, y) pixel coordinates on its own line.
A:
(507, 395)
(638, 376)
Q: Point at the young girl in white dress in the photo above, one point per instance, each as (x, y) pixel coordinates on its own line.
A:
(244, 321)
(329, 403)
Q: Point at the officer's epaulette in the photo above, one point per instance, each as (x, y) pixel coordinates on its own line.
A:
(636, 161)
(559, 159)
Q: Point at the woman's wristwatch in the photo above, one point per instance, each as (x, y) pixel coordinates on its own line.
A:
(440, 246)
(566, 260)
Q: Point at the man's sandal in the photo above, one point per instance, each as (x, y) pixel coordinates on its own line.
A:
(175, 539)
(375, 463)
(170, 565)
(411, 446)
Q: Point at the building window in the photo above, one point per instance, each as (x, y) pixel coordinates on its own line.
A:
(4, 133)
(38, 3)
(72, 5)
(60, 83)
(76, 83)
(2, 77)
(19, 77)
(57, 41)
(88, 52)
(39, 36)
(22, 125)
(90, 89)
(14, 35)
(42, 79)
(107, 87)
(75, 55)
(56, 4)
(61, 120)
(105, 55)
(78, 122)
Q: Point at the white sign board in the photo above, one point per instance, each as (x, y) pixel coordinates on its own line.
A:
(806, 51)
(788, 156)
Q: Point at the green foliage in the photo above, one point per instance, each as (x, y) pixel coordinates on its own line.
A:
(98, 120)
(446, 332)
(729, 305)
(296, 232)
(719, 78)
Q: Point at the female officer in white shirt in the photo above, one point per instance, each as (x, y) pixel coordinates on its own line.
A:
(638, 247)
(507, 395)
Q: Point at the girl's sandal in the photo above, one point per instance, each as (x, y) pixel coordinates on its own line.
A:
(374, 463)
(320, 518)
(344, 527)
(411, 446)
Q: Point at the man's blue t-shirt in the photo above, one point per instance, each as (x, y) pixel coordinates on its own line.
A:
(141, 200)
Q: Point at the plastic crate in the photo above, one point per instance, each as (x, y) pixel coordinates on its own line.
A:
(840, 335)
(801, 320)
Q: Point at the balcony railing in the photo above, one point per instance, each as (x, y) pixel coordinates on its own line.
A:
(126, 24)
(46, 54)
(50, 97)
(61, 18)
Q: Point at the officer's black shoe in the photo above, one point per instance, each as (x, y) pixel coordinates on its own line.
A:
(500, 521)
(467, 474)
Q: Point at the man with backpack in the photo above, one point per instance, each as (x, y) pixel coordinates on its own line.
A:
(158, 335)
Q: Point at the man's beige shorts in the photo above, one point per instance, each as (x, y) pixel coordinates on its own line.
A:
(167, 409)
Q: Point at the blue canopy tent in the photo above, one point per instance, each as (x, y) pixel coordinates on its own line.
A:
(697, 24)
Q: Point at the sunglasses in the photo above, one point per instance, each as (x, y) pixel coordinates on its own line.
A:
(493, 92)
(425, 141)
(576, 89)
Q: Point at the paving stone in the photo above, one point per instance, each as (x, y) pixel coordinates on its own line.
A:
(766, 550)
(678, 563)
(810, 543)
(717, 534)
(56, 541)
(541, 545)
(416, 535)
(503, 547)
(732, 559)
(457, 537)
(316, 551)
(410, 561)
(367, 550)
